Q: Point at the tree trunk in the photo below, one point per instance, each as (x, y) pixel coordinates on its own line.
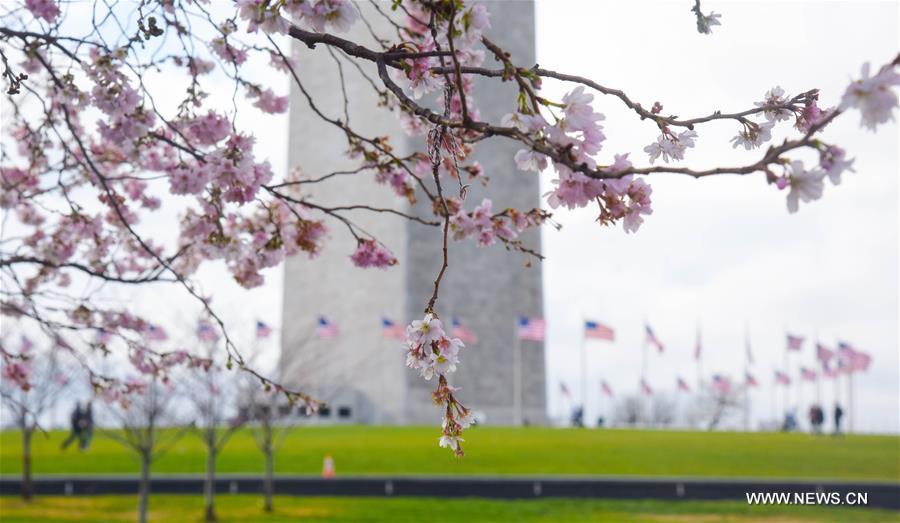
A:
(27, 486)
(209, 483)
(144, 487)
(268, 482)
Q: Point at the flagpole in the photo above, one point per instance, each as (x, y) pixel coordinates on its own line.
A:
(818, 376)
(385, 365)
(644, 363)
(775, 401)
(583, 372)
(517, 378)
(746, 373)
(698, 351)
(850, 408)
(787, 372)
(600, 401)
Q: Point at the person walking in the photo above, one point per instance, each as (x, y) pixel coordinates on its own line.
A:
(838, 414)
(75, 422)
(87, 428)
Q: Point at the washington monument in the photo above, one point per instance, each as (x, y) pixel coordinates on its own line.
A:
(360, 374)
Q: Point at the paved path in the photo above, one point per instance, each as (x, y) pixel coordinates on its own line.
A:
(880, 495)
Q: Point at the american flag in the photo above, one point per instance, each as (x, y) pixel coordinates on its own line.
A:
(828, 371)
(807, 374)
(852, 360)
(794, 342)
(861, 361)
(598, 331)
(262, 330)
(154, 333)
(533, 329)
(326, 330)
(782, 378)
(750, 380)
(823, 353)
(564, 390)
(683, 386)
(391, 330)
(652, 339)
(645, 389)
(721, 384)
(606, 389)
(458, 330)
(206, 332)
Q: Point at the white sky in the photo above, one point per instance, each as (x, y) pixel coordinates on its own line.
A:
(721, 251)
(724, 251)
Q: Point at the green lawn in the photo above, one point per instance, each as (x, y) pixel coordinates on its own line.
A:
(496, 450)
(244, 508)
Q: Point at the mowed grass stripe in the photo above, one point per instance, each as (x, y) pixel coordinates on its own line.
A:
(245, 508)
(361, 450)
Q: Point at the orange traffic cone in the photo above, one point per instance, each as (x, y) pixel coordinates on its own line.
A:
(328, 466)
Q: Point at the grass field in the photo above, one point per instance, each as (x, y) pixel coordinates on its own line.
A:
(245, 508)
(495, 450)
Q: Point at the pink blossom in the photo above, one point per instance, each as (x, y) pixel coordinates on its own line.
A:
(874, 96)
(833, 160)
(46, 9)
(370, 253)
(774, 97)
(285, 64)
(260, 14)
(670, 146)
(268, 102)
(425, 331)
(209, 129)
(805, 185)
(18, 373)
(228, 52)
(338, 15)
(530, 160)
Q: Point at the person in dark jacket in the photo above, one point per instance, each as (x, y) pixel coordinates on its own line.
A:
(75, 422)
(838, 414)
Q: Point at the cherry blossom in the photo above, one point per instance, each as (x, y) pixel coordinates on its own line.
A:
(874, 96)
(339, 15)
(833, 160)
(370, 253)
(774, 98)
(670, 146)
(46, 9)
(753, 135)
(805, 185)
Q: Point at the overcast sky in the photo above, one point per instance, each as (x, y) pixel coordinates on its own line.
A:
(722, 252)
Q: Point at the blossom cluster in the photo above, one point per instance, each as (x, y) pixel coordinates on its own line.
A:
(320, 15)
(370, 253)
(432, 352)
(486, 226)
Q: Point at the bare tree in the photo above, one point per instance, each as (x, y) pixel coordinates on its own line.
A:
(715, 403)
(270, 422)
(46, 380)
(662, 410)
(142, 417)
(212, 397)
(629, 411)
